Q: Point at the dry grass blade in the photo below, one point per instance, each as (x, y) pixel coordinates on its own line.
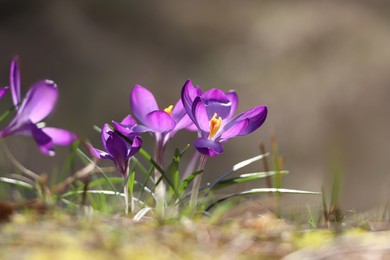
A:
(18, 165)
(79, 175)
(21, 178)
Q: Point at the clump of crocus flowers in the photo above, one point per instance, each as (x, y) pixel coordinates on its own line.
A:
(209, 113)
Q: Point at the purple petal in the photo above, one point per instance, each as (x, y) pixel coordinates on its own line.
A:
(255, 116)
(181, 117)
(216, 101)
(142, 102)
(128, 120)
(3, 91)
(208, 147)
(39, 101)
(125, 127)
(192, 128)
(202, 119)
(141, 129)
(178, 111)
(105, 134)
(44, 142)
(15, 81)
(234, 130)
(188, 95)
(233, 97)
(184, 122)
(99, 154)
(118, 149)
(135, 146)
(60, 136)
(159, 121)
(17, 127)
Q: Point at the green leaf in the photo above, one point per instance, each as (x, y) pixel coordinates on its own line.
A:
(172, 171)
(184, 184)
(144, 185)
(6, 113)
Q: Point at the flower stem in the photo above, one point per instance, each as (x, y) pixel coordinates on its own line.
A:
(160, 188)
(191, 166)
(197, 182)
(126, 192)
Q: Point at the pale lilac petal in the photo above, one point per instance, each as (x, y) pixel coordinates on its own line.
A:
(3, 91)
(184, 122)
(159, 121)
(202, 119)
(233, 97)
(128, 120)
(39, 101)
(105, 134)
(142, 102)
(15, 81)
(208, 147)
(255, 116)
(234, 130)
(216, 101)
(192, 128)
(99, 154)
(141, 129)
(60, 136)
(188, 95)
(178, 111)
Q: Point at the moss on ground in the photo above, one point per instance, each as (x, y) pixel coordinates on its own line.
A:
(57, 235)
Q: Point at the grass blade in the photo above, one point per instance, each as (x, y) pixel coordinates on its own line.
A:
(18, 183)
(87, 160)
(184, 184)
(248, 177)
(262, 191)
(238, 166)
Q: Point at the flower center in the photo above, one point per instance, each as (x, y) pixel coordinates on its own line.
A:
(215, 124)
(169, 110)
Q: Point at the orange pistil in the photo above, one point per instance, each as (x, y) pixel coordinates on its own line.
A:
(169, 110)
(215, 124)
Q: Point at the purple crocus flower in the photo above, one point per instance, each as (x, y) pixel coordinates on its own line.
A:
(3, 91)
(163, 123)
(212, 113)
(38, 103)
(117, 149)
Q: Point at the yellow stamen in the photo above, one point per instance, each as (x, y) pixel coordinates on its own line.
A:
(215, 124)
(169, 110)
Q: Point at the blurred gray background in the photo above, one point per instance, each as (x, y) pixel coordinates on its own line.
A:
(322, 68)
